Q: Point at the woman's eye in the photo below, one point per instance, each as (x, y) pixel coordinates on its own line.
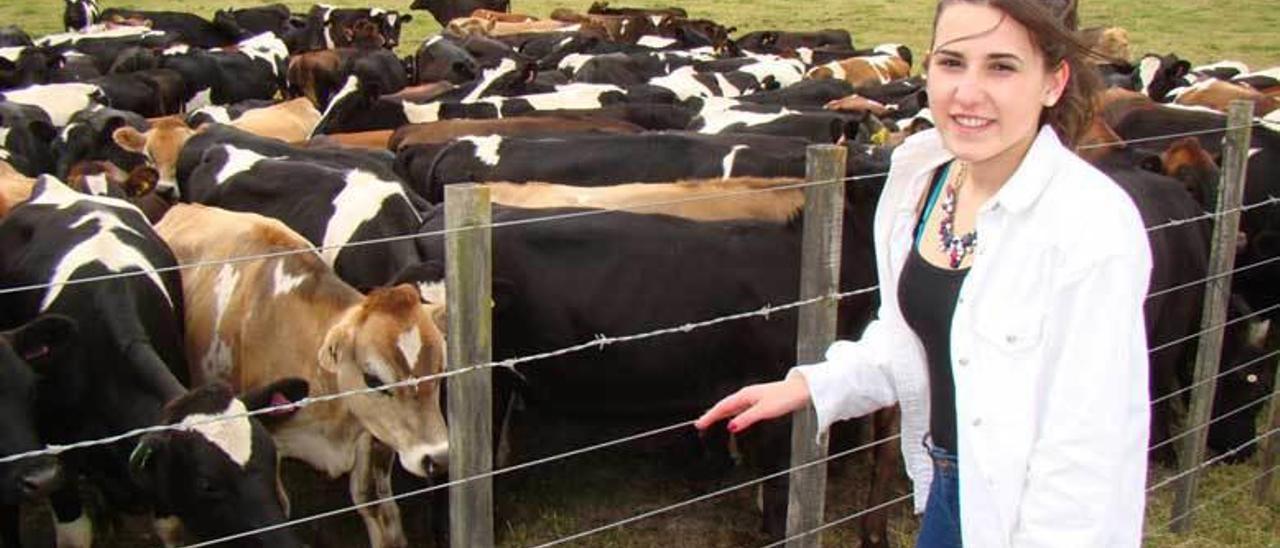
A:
(949, 63)
(1001, 67)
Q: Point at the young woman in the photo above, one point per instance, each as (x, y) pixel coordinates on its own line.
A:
(1010, 329)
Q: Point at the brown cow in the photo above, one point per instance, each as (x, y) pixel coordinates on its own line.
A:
(863, 70)
(1110, 43)
(14, 187)
(336, 339)
(1218, 94)
(315, 75)
(502, 16)
(372, 140)
(444, 130)
(741, 198)
(103, 178)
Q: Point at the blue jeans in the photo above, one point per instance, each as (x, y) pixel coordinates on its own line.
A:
(941, 525)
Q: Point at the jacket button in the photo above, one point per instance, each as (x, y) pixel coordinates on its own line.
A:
(963, 362)
(1011, 339)
(977, 422)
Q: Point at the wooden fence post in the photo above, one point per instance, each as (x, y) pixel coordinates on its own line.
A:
(1235, 154)
(1269, 446)
(816, 325)
(468, 279)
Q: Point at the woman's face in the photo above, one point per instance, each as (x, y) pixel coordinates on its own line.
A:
(987, 84)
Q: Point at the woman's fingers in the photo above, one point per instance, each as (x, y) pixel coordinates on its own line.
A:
(757, 402)
(729, 406)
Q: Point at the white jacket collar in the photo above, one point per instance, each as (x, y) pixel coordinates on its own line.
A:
(924, 152)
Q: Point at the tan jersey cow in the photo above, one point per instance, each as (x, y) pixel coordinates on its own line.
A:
(254, 322)
(776, 200)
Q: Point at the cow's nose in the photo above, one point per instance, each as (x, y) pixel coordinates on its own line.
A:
(436, 466)
(40, 479)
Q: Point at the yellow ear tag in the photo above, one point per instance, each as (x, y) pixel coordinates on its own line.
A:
(881, 136)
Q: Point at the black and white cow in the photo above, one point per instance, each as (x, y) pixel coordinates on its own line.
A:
(246, 22)
(58, 101)
(441, 59)
(25, 136)
(448, 10)
(188, 28)
(87, 136)
(330, 207)
(78, 15)
(13, 35)
(254, 69)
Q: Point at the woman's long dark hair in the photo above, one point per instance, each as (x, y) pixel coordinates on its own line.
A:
(1051, 25)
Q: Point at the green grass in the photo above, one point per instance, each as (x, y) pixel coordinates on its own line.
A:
(1200, 30)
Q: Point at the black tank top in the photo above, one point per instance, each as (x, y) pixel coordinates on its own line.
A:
(927, 297)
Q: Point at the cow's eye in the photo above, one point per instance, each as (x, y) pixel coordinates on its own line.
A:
(372, 381)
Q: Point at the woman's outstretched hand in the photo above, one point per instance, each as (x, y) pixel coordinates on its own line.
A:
(757, 402)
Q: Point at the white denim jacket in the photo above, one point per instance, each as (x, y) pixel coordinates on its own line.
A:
(1048, 353)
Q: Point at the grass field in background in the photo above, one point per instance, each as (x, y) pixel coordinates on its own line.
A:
(560, 499)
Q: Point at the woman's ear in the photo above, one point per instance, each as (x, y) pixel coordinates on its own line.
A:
(1056, 84)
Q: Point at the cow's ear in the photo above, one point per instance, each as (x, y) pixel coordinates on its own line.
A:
(41, 342)
(406, 18)
(142, 180)
(337, 344)
(1181, 68)
(129, 139)
(278, 394)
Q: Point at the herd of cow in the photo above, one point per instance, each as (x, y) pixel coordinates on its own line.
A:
(139, 141)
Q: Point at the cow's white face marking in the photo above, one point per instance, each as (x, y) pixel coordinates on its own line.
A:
(655, 19)
(410, 345)
(488, 77)
(360, 200)
(486, 147)
(282, 282)
(1147, 69)
(239, 160)
(728, 160)
(654, 42)
(103, 247)
(202, 99)
(417, 113)
(234, 436)
(59, 101)
(96, 184)
(432, 292)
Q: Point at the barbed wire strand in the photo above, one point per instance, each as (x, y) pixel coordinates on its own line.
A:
(1222, 325)
(1210, 462)
(853, 516)
(599, 342)
(1257, 122)
(1222, 495)
(1268, 201)
(1192, 386)
(1208, 423)
(1212, 277)
(716, 493)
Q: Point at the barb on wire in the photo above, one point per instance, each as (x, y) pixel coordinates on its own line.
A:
(1221, 495)
(1210, 462)
(1222, 325)
(833, 523)
(434, 233)
(716, 493)
(1193, 133)
(598, 342)
(1268, 201)
(1191, 386)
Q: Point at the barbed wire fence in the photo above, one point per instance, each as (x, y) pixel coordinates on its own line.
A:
(827, 299)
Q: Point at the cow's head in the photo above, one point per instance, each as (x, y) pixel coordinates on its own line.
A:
(439, 58)
(1187, 161)
(219, 474)
(161, 145)
(79, 14)
(390, 23)
(1247, 380)
(1160, 74)
(26, 354)
(389, 337)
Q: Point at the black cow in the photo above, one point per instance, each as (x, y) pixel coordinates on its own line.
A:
(192, 153)
(88, 137)
(598, 160)
(448, 10)
(44, 344)
(254, 70)
(245, 22)
(440, 58)
(13, 36)
(124, 372)
(189, 28)
(31, 65)
(1248, 375)
(151, 93)
(806, 94)
(329, 206)
(25, 136)
(679, 272)
(777, 41)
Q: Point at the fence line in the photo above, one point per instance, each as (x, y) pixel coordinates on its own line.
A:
(900, 499)
(1218, 376)
(1209, 462)
(717, 492)
(1210, 422)
(1212, 277)
(1224, 129)
(599, 342)
(1235, 320)
(1222, 495)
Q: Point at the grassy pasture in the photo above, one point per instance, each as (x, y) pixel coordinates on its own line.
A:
(561, 499)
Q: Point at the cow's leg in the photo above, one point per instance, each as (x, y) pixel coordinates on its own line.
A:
(768, 445)
(74, 529)
(371, 480)
(885, 457)
(10, 531)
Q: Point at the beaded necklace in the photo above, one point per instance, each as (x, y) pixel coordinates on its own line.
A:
(955, 247)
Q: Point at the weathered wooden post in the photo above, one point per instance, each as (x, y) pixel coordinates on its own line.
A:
(1235, 154)
(819, 275)
(1269, 446)
(468, 279)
